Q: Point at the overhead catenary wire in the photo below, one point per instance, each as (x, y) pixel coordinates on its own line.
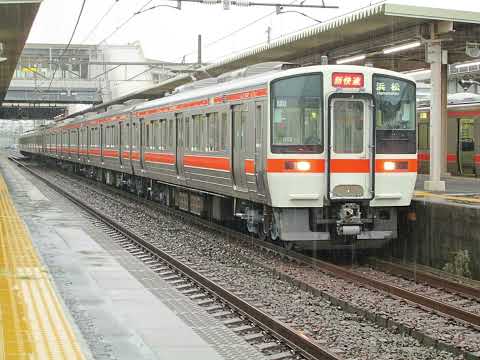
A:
(139, 11)
(91, 32)
(236, 31)
(69, 43)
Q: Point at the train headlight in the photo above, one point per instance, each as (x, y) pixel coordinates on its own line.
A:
(389, 166)
(303, 166)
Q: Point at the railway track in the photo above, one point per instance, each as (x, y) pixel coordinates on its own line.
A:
(407, 272)
(326, 267)
(298, 345)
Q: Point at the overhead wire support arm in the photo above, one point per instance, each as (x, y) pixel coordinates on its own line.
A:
(246, 3)
(252, 3)
(279, 11)
(178, 7)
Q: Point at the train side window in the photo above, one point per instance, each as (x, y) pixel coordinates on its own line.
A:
(135, 135)
(203, 133)
(187, 133)
(164, 134)
(243, 130)
(147, 136)
(181, 131)
(170, 133)
(224, 133)
(423, 136)
(161, 134)
(211, 130)
(196, 132)
(119, 142)
(127, 135)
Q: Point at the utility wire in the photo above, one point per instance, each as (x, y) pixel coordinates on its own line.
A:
(127, 21)
(236, 31)
(68, 45)
(100, 21)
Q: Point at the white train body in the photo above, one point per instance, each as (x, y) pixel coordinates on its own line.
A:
(319, 154)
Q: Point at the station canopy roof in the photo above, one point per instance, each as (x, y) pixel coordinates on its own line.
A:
(16, 19)
(367, 31)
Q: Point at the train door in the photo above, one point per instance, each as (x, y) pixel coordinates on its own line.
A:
(259, 156)
(239, 146)
(134, 154)
(466, 146)
(351, 161)
(180, 145)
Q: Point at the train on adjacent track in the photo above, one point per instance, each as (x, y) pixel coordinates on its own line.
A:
(463, 135)
(322, 156)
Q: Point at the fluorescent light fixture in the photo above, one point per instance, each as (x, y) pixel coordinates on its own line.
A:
(398, 48)
(3, 59)
(459, 66)
(351, 59)
(418, 72)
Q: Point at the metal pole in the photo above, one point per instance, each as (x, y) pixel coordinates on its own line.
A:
(435, 59)
(445, 169)
(199, 61)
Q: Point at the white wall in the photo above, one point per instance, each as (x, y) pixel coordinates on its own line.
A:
(116, 80)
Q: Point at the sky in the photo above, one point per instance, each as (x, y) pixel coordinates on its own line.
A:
(169, 34)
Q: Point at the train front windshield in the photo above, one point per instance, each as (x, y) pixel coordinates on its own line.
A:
(395, 115)
(296, 104)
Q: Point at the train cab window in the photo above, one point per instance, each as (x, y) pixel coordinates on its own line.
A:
(296, 118)
(348, 119)
(395, 115)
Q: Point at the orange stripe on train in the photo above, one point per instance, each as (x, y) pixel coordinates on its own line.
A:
(207, 162)
(349, 166)
(161, 158)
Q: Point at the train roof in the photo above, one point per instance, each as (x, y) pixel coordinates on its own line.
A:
(261, 79)
(216, 86)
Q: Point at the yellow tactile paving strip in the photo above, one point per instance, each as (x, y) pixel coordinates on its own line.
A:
(32, 322)
(450, 197)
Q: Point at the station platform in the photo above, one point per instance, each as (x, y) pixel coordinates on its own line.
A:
(459, 190)
(33, 322)
(69, 292)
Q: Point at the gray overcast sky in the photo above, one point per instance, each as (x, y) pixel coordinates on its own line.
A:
(168, 34)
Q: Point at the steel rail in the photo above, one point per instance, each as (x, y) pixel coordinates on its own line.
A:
(428, 278)
(294, 339)
(424, 301)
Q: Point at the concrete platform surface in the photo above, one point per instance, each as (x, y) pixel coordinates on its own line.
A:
(121, 309)
(459, 190)
(33, 324)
